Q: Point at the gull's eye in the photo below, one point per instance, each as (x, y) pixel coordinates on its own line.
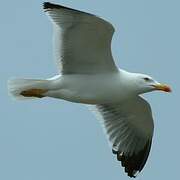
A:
(147, 79)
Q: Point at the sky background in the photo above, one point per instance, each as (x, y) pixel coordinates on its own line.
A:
(52, 139)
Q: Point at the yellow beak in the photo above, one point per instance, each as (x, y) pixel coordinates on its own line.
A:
(162, 87)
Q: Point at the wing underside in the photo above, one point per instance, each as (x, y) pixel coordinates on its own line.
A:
(129, 128)
(82, 41)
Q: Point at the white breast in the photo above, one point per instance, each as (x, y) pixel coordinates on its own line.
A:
(91, 89)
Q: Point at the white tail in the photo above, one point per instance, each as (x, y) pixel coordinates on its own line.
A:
(17, 86)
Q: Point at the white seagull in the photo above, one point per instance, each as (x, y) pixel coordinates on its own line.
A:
(88, 75)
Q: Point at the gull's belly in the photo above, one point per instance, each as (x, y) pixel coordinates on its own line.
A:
(90, 89)
(90, 94)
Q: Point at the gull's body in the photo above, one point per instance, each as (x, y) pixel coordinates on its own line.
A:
(93, 89)
(88, 75)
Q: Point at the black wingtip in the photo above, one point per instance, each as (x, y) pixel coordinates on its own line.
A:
(134, 163)
(48, 5)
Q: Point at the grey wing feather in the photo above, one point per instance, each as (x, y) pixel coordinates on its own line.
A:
(129, 127)
(82, 41)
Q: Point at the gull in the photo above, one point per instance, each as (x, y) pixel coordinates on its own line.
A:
(88, 75)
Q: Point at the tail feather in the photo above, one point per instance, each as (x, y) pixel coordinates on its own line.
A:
(18, 87)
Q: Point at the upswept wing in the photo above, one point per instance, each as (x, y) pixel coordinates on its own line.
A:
(129, 127)
(82, 41)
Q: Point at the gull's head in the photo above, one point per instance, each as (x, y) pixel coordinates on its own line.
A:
(145, 83)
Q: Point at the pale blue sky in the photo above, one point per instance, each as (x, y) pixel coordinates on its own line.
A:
(52, 139)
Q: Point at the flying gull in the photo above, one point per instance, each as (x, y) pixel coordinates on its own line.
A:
(88, 75)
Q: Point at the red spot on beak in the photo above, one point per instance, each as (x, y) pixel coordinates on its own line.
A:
(162, 87)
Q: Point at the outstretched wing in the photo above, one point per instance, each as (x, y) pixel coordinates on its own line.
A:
(82, 41)
(129, 127)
